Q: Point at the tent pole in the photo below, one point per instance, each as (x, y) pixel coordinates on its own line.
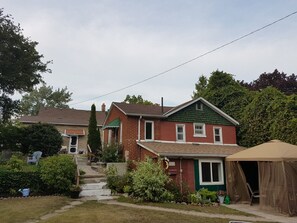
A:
(259, 184)
(286, 187)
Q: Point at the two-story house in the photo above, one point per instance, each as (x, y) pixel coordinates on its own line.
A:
(71, 123)
(192, 138)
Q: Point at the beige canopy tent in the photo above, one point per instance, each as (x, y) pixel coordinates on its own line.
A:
(275, 175)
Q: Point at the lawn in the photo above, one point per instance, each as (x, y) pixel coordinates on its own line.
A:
(23, 209)
(93, 211)
(206, 209)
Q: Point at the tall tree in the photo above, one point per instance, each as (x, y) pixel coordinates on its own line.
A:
(133, 99)
(94, 139)
(200, 87)
(44, 96)
(20, 65)
(281, 81)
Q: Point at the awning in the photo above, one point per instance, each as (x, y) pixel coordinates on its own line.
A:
(76, 132)
(113, 124)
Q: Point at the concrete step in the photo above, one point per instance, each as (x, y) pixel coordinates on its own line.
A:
(94, 180)
(98, 192)
(94, 186)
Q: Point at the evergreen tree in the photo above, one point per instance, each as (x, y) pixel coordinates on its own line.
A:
(94, 139)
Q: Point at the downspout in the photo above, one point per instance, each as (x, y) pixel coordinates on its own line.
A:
(140, 117)
(180, 175)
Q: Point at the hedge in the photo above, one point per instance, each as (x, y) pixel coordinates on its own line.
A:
(11, 182)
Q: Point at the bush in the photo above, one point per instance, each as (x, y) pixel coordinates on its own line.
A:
(112, 153)
(58, 173)
(41, 137)
(11, 182)
(180, 194)
(149, 180)
(115, 182)
(15, 163)
(10, 137)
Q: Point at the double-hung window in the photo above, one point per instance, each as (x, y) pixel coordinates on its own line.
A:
(199, 130)
(180, 132)
(149, 130)
(211, 172)
(217, 134)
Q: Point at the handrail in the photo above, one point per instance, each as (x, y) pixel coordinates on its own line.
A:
(77, 171)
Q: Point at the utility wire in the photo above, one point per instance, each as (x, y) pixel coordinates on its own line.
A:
(191, 60)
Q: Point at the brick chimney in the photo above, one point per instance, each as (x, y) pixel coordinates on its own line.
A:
(103, 106)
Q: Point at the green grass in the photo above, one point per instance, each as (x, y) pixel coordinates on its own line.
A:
(206, 209)
(92, 211)
(23, 209)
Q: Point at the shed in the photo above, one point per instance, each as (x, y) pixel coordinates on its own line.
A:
(270, 167)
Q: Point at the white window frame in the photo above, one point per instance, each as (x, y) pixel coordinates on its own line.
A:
(214, 135)
(201, 106)
(184, 132)
(153, 133)
(221, 171)
(203, 128)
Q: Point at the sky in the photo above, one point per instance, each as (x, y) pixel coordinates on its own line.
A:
(101, 46)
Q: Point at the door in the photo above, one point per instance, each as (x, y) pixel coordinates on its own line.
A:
(73, 144)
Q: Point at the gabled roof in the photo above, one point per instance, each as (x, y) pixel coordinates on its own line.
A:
(214, 108)
(63, 117)
(141, 110)
(189, 150)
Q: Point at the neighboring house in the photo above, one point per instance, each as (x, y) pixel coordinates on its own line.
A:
(71, 123)
(193, 139)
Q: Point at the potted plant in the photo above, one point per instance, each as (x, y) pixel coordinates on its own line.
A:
(74, 191)
(221, 196)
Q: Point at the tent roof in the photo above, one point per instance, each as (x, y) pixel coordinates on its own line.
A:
(274, 150)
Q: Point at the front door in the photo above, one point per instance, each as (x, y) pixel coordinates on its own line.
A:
(73, 143)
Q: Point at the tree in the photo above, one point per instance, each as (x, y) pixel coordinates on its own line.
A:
(94, 139)
(200, 87)
(41, 137)
(20, 65)
(137, 100)
(281, 81)
(44, 96)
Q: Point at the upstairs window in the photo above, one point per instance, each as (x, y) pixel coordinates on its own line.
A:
(217, 132)
(199, 106)
(149, 130)
(199, 130)
(180, 133)
(211, 172)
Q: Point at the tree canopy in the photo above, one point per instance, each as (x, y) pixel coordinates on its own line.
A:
(133, 99)
(44, 96)
(20, 64)
(263, 115)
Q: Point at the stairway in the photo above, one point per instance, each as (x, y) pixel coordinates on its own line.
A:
(94, 182)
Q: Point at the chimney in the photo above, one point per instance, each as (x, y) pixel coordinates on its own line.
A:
(103, 106)
(162, 105)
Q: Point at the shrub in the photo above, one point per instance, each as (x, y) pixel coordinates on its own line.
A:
(15, 163)
(58, 173)
(180, 194)
(41, 137)
(10, 137)
(149, 180)
(115, 182)
(112, 153)
(11, 182)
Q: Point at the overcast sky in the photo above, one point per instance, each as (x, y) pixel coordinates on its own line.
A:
(101, 46)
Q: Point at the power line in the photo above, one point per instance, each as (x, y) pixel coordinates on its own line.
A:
(191, 60)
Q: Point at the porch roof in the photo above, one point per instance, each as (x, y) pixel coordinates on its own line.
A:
(189, 149)
(77, 132)
(113, 124)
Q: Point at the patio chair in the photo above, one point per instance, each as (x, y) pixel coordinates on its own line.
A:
(34, 158)
(254, 194)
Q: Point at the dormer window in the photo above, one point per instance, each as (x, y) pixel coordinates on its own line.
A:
(199, 106)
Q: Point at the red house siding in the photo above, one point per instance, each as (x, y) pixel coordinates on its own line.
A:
(168, 133)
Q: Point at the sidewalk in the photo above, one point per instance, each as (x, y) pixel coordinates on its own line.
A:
(193, 213)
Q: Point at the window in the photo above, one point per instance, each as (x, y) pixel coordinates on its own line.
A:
(180, 133)
(217, 132)
(211, 172)
(149, 130)
(199, 130)
(199, 106)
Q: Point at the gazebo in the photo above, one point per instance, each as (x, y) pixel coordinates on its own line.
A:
(271, 168)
